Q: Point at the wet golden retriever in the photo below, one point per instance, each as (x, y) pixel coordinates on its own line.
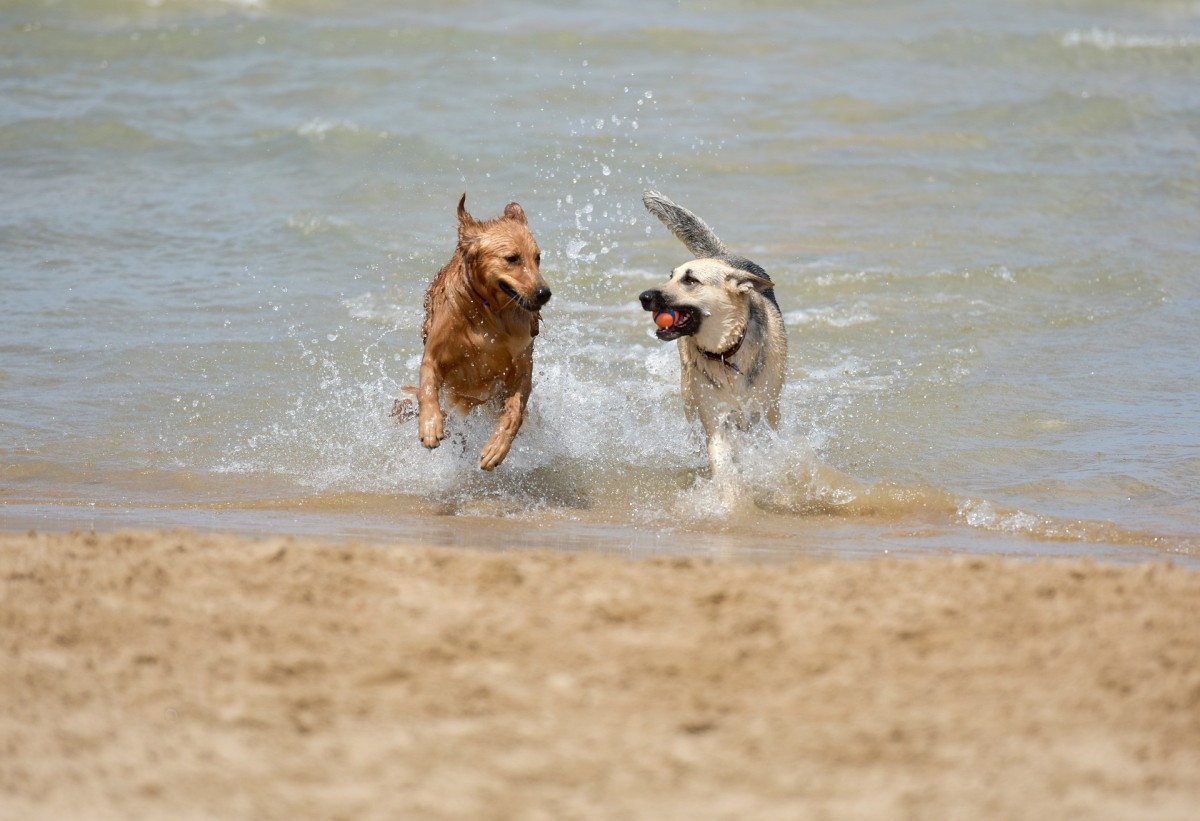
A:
(481, 315)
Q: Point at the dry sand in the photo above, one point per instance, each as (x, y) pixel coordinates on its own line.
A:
(176, 675)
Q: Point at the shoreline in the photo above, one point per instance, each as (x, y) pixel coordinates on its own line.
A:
(188, 674)
(767, 538)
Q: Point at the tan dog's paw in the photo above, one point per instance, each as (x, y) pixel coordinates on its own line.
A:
(432, 428)
(495, 450)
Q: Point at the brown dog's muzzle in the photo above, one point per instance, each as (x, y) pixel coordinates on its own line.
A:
(531, 303)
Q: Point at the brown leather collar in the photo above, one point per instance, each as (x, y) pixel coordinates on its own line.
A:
(723, 357)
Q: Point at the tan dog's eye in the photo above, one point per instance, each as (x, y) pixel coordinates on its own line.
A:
(688, 279)
(512, 259)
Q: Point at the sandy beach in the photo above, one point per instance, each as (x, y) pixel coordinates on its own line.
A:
(959, 580)
(181, 675)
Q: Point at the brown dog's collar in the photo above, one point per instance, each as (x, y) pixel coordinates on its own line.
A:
(475, 291)
(723, 356)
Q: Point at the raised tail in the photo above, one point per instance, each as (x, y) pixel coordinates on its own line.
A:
(692, 231)
(405, 410)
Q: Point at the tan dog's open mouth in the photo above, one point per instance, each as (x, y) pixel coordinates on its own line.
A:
(673, 321)
(676, 322)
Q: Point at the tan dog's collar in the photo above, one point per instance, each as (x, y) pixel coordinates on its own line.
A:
(723, 357)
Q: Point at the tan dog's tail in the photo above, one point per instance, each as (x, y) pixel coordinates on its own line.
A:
(692, 231)
(405, 410)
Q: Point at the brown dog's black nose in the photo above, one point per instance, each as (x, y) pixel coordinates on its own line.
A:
(541, 296)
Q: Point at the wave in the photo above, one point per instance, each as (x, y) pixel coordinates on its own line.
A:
(1109, 40)
(783, 476)
(102, 133)
(319, 129)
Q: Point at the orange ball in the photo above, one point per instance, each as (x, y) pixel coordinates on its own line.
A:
(664, 319)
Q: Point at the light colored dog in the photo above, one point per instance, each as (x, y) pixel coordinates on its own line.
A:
(732, 344)
(481, 315)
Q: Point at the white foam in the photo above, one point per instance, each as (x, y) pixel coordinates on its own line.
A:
(1109, 40)
(318, 129)
(832, 316)
(309, 224)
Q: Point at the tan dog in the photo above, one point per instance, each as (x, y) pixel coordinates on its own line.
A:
(732, 343)
(481, 315)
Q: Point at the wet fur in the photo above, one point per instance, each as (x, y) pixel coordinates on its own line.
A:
(481, 317)
(727, 298)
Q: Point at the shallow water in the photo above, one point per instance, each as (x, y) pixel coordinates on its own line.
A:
(219, 219)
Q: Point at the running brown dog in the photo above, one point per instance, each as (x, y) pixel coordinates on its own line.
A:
(481, 315)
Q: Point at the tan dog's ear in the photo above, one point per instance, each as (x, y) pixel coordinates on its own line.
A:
(515, 212)
(744, 282)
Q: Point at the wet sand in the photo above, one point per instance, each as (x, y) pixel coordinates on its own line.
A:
(180, 675)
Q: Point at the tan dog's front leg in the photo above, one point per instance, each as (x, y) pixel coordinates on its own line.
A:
(497, 447)
(720, 453)
(430, 419)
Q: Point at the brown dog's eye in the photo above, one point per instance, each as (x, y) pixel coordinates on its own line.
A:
(537, 258)
(512, 259)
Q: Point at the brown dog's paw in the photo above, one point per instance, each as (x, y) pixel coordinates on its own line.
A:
(403, 410)
(494, 451)
(432, 429)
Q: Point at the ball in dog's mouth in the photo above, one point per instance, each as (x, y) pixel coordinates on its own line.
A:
(673, 323)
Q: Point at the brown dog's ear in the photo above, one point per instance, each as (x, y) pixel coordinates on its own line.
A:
(465, 220)
(515, 212)
(470, 251)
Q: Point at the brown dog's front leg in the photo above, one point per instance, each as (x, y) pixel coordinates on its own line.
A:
(430, 419)
(497, 447)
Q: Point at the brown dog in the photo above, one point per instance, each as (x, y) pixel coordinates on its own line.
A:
(481, 315)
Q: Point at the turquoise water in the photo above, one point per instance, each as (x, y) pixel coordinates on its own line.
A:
(218, 220)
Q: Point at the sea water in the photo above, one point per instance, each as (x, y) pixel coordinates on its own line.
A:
(218, 220)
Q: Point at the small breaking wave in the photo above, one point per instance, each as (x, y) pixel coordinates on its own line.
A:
(781, 475)
(320, 129)
(1110, 40)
